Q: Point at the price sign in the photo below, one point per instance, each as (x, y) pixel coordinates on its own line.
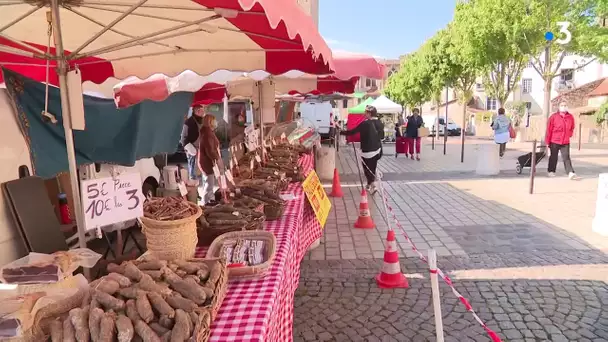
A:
(183, 190)
(251, 164)
(317, 197)
(112, 200)
(229, 177)
(283, 136)
(257, 158)
(223, 184)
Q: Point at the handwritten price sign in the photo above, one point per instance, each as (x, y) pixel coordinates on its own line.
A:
(111, 200)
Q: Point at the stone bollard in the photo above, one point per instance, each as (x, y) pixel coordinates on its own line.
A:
(600, 221)
(325, 162)
(488, 161)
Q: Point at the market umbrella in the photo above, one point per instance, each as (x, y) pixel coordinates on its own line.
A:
(141, 37)
(360, 108)
(348, 67)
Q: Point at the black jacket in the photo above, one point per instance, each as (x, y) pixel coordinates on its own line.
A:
(190, 131)
(372, 133)
(413, 123)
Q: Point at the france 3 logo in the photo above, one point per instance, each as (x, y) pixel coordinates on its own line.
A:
(564, 36)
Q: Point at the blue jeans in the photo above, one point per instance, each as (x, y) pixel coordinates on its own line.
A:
(192, 167)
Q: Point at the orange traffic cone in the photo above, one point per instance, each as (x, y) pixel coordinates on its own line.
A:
(364, 220)
(336, 188)
(390, 275)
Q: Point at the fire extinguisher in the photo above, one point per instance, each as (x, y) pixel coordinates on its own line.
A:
(64, 209)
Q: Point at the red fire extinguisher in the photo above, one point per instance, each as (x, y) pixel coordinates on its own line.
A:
(64, 209)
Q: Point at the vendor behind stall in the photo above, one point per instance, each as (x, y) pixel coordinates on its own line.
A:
(208, 156)
(190, 137)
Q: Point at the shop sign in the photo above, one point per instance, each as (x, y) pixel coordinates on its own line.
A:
(317, 197)
(110, 200)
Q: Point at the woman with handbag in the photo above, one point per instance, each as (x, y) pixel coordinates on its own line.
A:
(503, 131)
(414, 122)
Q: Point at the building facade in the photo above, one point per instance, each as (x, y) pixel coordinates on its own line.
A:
(310, 7)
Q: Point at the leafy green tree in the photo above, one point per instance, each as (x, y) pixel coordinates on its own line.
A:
(491, 34)
(409, 85)
(578, 21)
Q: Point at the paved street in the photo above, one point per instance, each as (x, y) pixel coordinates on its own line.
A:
(529, 264)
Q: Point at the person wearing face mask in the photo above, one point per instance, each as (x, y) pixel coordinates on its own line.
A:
(501, 125)
(209, 155)
(560, 129)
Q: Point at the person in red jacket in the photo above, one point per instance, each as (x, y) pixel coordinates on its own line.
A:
(560, 129)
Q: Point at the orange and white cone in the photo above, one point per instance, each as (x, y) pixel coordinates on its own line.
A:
(364, 220)
(390, 276)
(336, 187)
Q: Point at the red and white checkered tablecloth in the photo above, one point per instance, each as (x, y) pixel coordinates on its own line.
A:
(262, 309)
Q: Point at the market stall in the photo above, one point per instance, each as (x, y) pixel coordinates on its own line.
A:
(262, 309)
(389, 112)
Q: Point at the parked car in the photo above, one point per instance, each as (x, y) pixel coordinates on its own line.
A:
(430, 121)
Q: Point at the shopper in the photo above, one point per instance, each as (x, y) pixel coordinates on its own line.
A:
(560, 129)
(502, 131)
(414, 122)
(371, 132)
(189, 139)
(209, 155)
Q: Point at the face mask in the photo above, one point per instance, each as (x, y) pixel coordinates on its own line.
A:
(563, 109)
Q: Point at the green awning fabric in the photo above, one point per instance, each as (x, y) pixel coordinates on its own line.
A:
(359, 95)
(360, 108)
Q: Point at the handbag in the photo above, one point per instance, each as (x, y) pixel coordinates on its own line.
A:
(423, 132)
(512, 133)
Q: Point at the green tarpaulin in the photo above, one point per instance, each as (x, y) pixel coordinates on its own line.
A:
(360, 108)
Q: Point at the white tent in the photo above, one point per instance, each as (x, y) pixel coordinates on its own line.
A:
(385, 106)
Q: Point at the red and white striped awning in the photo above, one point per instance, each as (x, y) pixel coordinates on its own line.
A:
(123, 38)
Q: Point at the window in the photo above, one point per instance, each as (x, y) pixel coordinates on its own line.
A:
(373, 83)
(528, 105)
(368, 82)
(567, 75)
(345, 103)
(526, 85)
(359, 101)
(479, 86)
(490, 103)
(530, 64)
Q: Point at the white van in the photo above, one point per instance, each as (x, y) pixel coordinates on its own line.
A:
(320, 114)
(430, 121)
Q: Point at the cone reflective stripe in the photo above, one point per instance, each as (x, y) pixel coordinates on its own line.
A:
(364, 220)
(336, 188)
(390, 275)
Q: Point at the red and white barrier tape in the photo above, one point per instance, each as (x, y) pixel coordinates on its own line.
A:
(491, 333)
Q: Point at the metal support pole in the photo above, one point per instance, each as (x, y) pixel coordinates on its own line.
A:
(436, 298)
(433, 142)
(462, 132)
(62, 69)
(445, 136)
(357, 161)
(533, 167)
(580, 135)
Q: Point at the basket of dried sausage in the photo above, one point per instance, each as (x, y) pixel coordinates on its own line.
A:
(248, 254)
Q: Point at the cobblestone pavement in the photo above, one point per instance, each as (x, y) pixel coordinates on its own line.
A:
(529, 264)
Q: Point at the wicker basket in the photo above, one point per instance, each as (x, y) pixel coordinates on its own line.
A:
(273, 211)
(220, 288)
(169, 240)
(247, 272)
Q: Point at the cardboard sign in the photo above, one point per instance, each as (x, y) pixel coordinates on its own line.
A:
(228, 175)
(182, 188)
(317, 197)
(112, 200)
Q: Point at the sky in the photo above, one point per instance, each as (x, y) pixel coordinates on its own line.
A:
(382, 28)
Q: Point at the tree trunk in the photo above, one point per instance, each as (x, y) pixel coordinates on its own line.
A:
(547, 77)
(437, 122)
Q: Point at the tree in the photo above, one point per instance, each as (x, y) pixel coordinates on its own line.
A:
(575, 21)
(462, 70)
(409, 85)
(491, 34)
